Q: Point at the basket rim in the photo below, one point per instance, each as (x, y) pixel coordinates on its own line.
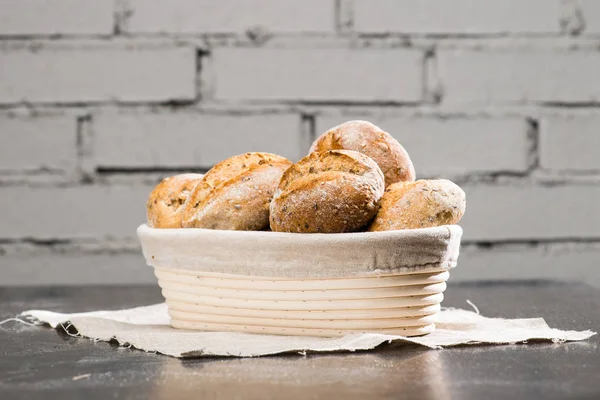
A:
(302, 256)
(144, 229)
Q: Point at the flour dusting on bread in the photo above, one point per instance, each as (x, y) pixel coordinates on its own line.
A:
(356, 177)
(332, 191)
(369, 139)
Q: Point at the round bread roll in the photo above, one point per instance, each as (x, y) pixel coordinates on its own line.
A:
(420, 204)
(235, 194)
(328, 192)
(366, 138)
(165, 204)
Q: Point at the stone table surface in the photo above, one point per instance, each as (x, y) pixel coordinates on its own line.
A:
(39, 362)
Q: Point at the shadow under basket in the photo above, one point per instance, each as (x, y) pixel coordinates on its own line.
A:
(303, 284)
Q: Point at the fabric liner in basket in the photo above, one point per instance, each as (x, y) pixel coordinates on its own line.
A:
(303, 256)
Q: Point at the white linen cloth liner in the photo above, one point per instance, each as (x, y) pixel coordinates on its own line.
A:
(147, 328)
(302, 256)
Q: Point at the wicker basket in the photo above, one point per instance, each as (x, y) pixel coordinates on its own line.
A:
(303, 284)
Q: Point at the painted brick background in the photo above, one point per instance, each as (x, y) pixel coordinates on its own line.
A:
(500, 77)
(327, 74)
(38, 143)
(56, 17)
(101, 99)
(456, 147)
(570, 143)
(229, 16)
(124, 74)
(456, 16)
(192, 139)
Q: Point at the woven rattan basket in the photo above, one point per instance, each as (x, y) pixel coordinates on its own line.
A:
(303, 284)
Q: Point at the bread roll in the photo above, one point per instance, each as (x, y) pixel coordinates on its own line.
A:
(420, 204)
(366, 138)
(332, 191)
(235, 194)
(166, 201)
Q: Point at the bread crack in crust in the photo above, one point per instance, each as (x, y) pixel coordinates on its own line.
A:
(235, 194)
(369, 139)
(328, 192)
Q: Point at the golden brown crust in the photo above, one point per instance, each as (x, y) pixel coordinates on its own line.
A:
(328, 192)
(166, 202)
(235, 194)
(366, 138)
(420, 204)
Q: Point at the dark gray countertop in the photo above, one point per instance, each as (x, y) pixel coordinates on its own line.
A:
(38, 362)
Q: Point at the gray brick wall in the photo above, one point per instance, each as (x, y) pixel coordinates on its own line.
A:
(100, 99)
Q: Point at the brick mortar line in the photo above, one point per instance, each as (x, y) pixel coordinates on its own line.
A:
(344, 16)
(533, 152)
(84, 169)
(397, 41)
(538, 177)
(96, 181)
(425, 110)
(94, 43)
(132, 246)
(147, 177)
(308, 128)
(530, 243)
(250, 107)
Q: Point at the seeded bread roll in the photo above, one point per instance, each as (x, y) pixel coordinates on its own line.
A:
(328, 192)
(235, 194)
(366, 138)
(420, 204)
(166, 201)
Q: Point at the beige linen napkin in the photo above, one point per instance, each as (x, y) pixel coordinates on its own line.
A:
(147, 328)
